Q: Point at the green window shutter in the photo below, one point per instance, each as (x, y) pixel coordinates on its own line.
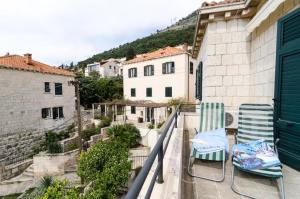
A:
(191, 67)
(164, 68)
(129, 75)
(145, 70)
(132, 92)
(152, 70)
(168, 91)
(61, 112)
(133, 109)
(148, 92)
(172, 67)
(58, 88)
(199, 81)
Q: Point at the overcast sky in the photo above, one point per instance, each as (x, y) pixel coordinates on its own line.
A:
(61, 31)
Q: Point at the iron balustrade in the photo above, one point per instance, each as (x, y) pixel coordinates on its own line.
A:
(159, 152)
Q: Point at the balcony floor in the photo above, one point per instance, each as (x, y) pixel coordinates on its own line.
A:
(251, 184)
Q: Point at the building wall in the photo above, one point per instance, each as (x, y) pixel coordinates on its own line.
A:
(225, 53)
(178, 80)
(21, 99)
(263, 55)
(110, 72)
(160, 114)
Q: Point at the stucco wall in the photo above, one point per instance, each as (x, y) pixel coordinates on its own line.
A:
(21, 99)
(225, 53)
(158, 82)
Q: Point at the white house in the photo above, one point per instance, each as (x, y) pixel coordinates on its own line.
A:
(157, 77)
(34, 98)
(247, 51)
(105, 68)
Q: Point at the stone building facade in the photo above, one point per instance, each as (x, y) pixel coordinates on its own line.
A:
(236, 43)
(34, 98)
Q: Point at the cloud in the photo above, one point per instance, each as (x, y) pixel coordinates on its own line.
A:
(61, 31)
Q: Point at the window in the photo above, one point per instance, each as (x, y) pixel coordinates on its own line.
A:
(132, 72)
(148, 92)
(191, 67)
(47, 87)
(132, 92)
(168, 68)
(149, 70)
(133, 109)
(46, 113)
(109, 67)
(58, 88)
(168, 91)
(58, 112)
(198, 83)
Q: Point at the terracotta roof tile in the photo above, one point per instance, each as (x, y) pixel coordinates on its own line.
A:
(18, 62)
(163, 52)
(213, 3)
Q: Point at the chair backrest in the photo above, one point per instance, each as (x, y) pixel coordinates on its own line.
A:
(212, 116)
(255, 122)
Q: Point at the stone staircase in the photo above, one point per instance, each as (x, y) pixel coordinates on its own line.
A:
(18, 184)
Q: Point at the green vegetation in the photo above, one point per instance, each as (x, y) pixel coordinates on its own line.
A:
(151, 126)
(12, 196)
(127, 134)
(95, 90)
(106, 165)
(60, 190)
(146, 44)
(160, 124)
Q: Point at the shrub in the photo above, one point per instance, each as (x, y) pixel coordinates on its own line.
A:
(160, 124)
(71, 128)
(106, 165)
(87, 133)
(54, 147)
(60, 190)
(94, 160)
(105, 121)
(127, 134)
(151, 126)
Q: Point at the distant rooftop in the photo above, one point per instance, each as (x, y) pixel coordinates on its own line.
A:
(27, 63)
(162, 52)
(213, 3)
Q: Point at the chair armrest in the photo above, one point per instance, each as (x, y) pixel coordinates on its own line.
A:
(235, 138)
(275, 145)
(196, 131)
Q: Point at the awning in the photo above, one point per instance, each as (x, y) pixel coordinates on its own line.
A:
(263, 13)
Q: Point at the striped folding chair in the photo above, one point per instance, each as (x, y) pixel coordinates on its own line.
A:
(256, 122)
(212, 116)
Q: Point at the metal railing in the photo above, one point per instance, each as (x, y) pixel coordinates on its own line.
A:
(159, 152)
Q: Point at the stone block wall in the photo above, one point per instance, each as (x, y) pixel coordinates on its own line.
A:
(263, 55)
(225, 54)
(22, 98)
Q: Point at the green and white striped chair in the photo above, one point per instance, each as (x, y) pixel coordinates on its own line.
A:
(212, 116)
(256, 122)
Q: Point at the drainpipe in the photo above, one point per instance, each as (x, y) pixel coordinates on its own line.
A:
(188, 78)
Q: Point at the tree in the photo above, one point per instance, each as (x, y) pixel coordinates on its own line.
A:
(125, 133)
(130, 54)
(107, 167)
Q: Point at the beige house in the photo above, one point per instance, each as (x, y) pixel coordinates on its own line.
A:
(248, 52)
(105, 68)
(158, 77)
(34, 98)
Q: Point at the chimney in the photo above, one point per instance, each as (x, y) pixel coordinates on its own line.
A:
(7, 54)
(28, 58)
(185, 46)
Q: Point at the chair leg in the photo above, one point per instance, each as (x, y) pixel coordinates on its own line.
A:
(282, 193)
(205, 178)
(233, 187)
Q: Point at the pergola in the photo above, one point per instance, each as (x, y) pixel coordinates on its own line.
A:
(115, 106)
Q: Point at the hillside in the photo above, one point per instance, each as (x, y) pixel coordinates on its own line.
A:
(178, 33)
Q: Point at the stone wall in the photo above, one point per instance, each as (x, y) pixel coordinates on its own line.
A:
(225, 53)
(263, 55)
(22, 98)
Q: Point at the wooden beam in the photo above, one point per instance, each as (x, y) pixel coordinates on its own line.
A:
(227, 15)
(203, 21)
(249, 12)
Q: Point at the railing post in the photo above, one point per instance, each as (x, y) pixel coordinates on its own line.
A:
(160, 178)
(176, 115)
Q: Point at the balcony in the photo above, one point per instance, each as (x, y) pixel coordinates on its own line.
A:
(164, 174)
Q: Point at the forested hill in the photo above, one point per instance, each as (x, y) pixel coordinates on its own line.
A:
(178, 33)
